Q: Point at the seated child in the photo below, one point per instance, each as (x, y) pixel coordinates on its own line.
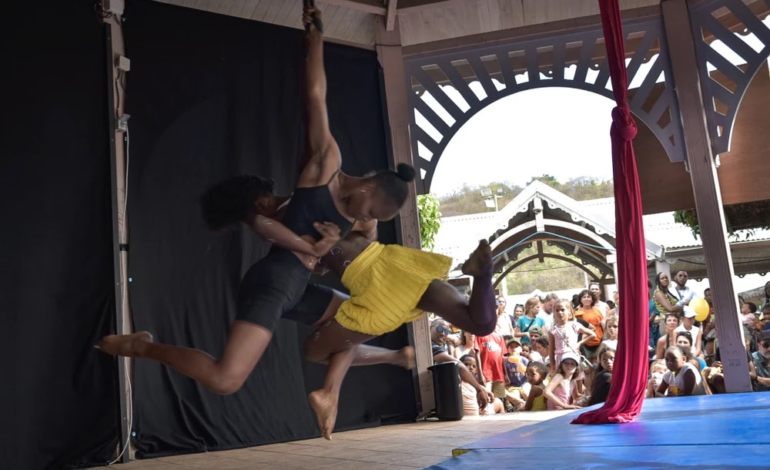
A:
(657, 370)
(536, 374)
(526, 349)
(515, 369)
(682, 379)
(470, 400)
(603, 380)
(540, 350)
(561, 391)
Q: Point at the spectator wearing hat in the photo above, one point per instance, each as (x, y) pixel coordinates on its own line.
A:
(562, 390)
(688, 325)
(515, 375)
(535, 333)
(760, 377)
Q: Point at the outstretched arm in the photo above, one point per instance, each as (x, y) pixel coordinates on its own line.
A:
(322, 155)
(278, 234)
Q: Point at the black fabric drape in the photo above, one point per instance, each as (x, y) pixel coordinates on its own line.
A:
(58, 405)
(210, 97)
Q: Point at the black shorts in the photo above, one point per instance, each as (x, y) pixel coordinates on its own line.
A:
(271, 287)
(313, 305)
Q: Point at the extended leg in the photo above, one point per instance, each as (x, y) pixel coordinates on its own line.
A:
(477, 315)
(340, 348)
(245, 346)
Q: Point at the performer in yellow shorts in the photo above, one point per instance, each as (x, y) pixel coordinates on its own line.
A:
(386, 282)
(389, 285)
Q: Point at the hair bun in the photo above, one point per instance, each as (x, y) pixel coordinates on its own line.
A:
(405, 172)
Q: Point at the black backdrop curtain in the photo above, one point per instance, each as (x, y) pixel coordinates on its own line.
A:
(212, 96)
(59, 406)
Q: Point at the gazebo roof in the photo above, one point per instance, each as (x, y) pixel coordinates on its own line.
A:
(568, 224)
(665, 239)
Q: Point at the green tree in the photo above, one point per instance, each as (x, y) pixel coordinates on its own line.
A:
(468, 199)
(430, 220)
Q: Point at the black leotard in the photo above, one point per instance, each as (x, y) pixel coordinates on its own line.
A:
(274, 284)
(310, 205)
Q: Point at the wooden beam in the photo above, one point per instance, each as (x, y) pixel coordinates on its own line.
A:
(540, 251)
(708, 200)
(416, 6)
(397, 103)
(494, 38)
(390, 15)
(375, 7)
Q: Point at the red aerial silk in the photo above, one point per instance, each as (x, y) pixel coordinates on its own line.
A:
(629, 376)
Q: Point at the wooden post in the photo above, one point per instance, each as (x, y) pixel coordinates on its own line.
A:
(397, 103)
(708, 199)
(119, 167)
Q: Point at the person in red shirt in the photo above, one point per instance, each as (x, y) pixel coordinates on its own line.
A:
(490, 350)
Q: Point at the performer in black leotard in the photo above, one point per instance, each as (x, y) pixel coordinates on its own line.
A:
(275, 283)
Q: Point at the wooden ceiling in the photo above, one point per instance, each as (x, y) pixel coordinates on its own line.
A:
(420, 21)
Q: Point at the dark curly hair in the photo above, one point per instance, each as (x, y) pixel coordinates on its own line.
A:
(228, 202)
(394, 183)
(585, 292)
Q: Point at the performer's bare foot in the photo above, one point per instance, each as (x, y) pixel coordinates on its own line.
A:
(480, 261)
(124, 345)
(324, 404)
(406, 358)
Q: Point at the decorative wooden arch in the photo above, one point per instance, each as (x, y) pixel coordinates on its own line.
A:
(526, 260)
(724, 88)
(503, 69)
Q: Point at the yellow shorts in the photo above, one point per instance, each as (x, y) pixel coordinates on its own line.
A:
(386, 282)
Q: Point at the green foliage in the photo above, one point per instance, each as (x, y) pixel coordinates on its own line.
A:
(552, 274)
(468, 199)
(748, 217)
(430, 220)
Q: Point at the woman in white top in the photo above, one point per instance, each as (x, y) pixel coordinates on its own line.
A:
(682, 378)
(504, 325)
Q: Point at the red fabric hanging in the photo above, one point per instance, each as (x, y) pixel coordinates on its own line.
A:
(629, 376)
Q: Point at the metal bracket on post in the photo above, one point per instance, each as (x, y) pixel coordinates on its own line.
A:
(116, 243)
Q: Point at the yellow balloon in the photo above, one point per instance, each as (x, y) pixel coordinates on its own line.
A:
(701, 308)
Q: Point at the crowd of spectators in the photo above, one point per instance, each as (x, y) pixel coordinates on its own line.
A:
(552, 353)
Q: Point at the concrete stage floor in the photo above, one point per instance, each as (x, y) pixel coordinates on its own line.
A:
(398, 447)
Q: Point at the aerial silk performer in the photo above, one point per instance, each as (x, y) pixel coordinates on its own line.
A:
(624, 402)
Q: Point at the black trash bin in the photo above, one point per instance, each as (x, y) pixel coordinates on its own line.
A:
(446, 389)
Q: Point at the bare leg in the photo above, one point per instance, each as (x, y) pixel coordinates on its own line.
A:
(326, 400)
(245, 346)
(340, 348)
(477, 316)
(365, 355)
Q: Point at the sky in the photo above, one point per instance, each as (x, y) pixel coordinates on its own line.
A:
(562, 132)
(559, 131)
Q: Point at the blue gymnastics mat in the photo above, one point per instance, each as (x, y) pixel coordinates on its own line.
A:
(704, 432)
